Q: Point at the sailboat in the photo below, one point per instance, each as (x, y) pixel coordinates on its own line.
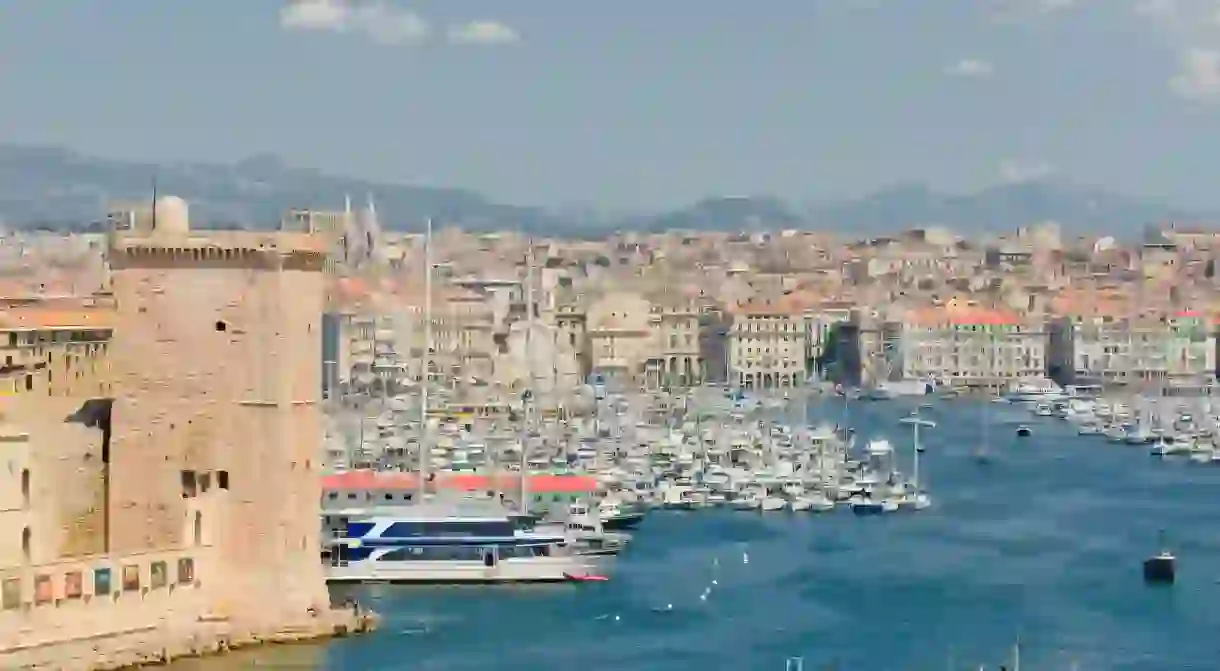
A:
(918, 499)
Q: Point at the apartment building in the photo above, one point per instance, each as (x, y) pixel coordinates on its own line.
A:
(621, 339)
(1137, 350)
(767, 344)
(964, 344)
(54, 349)
(674, 321)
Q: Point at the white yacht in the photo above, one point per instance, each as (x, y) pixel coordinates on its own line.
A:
(773, 503)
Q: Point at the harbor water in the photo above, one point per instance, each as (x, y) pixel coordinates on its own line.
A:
(1042, 544)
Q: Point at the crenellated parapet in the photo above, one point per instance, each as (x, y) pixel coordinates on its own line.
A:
(219, 249)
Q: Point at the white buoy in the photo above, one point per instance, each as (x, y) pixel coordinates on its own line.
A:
(715, 582)
(745, 557)
(616, 618)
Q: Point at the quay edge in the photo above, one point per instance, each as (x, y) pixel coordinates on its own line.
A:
(154, 645)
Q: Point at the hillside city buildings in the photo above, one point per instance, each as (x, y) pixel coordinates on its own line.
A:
(168, 395)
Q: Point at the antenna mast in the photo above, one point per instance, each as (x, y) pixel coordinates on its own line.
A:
(154, 202)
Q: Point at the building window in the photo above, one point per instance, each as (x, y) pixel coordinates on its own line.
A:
(131, 577)
(198, 528)
(25, 487)
(25, 544)
(73, 585)
(156, 575)
(44, 590)
(10, 593)
(186, 571)
(101, 581)
(222, 479)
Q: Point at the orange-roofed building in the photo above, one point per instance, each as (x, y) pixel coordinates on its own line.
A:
(56, 348)
(963, 343)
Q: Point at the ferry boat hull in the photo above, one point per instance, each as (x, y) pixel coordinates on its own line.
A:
(533, 570)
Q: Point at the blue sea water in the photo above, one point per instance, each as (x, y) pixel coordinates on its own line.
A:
(1042, 545)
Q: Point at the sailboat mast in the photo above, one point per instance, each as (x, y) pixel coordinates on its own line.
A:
(425, 381)
(527, 405)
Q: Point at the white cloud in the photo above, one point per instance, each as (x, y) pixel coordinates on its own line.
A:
(485, 33)
(1157, 9)
(1015, 171)
(1198, 76)
(971, 68)
(1192, 29)
(376, 20)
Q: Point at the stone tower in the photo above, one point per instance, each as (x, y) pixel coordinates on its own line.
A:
(216, 423)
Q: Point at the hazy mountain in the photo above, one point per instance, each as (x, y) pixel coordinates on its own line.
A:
(59, 188)
(1077, 209)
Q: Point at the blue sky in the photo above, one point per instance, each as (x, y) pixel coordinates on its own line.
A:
(634, 103)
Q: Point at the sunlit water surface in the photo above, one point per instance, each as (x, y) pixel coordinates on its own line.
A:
(1043, 545)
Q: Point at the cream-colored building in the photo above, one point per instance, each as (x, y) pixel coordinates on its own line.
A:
(767, 344)
(965, 344)
(1148, 349)
(181, 512)
(547, 364)
(53, 349)
(621, 340)
(676, 358)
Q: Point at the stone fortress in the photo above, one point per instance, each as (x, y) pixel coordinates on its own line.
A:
(158, 484)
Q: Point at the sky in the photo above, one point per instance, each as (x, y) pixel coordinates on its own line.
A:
(635, 104)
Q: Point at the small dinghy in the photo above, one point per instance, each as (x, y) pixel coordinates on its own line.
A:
(1024, 432)
(586, 578)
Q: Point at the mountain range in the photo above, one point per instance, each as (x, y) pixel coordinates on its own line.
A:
(60, 189)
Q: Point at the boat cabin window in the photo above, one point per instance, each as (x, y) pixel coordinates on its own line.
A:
(450, 528)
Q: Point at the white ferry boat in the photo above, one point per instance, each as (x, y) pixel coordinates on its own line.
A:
(435, 544)
(1035, 391)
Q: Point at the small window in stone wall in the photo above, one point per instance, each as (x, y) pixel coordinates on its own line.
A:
(101, 582)
(186, 571)
(73, 585)
(131, 578)
(156, 575)
(10, 593)
(44, 590)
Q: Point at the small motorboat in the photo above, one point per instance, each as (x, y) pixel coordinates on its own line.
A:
(1024, 432)
(869, 506)
(586, 578)
(1161, 569)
